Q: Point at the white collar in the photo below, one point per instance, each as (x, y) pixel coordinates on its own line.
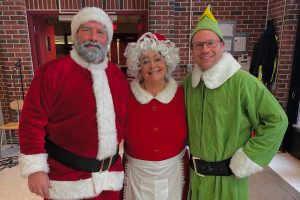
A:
(218, 74)
(165, 96)
(102, 65)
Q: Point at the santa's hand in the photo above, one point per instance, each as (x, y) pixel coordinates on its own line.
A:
(39, 184)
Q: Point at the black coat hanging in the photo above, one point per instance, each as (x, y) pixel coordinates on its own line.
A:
(265, 55)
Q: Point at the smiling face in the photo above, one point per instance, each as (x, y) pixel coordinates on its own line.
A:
(153, 67)
(91, 44)
(92, 31)
(207, 49)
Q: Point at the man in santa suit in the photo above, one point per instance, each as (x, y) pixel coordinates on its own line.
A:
(73, 117)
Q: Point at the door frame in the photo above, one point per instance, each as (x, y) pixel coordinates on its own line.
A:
(291, 143)
(31, 31)
(33, 41)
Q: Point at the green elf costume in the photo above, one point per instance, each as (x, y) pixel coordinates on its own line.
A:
(224, 104)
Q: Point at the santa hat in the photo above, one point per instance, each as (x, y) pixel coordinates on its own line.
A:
(207, 21)
(91, 14)
(151, 42)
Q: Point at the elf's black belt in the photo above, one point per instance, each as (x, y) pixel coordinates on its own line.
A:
(204, 168)
(77, 162)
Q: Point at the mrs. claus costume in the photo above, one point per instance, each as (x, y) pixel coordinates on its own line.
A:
(80, 107)
(156, 160)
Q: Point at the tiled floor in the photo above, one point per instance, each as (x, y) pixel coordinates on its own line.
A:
(13, 187)
(288, 167)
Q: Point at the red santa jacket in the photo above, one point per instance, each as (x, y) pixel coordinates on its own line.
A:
(81, 108)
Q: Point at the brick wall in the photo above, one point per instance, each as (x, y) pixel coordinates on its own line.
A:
(164, 20)
(285, 13)
(250, 18)
(3, 96)
(14, 43)
(169, 17)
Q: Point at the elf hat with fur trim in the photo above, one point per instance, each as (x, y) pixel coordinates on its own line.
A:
(91, 14)
(207, 21)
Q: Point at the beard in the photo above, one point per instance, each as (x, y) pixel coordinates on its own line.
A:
(91, 55)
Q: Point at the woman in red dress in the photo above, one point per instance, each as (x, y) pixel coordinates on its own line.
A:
(156, 159)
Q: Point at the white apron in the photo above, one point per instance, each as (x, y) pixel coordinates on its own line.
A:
(154, 180)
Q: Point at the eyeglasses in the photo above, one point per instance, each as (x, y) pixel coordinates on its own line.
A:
(145, 61)
(209, 44)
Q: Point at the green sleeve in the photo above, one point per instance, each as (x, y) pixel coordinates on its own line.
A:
(269, 121)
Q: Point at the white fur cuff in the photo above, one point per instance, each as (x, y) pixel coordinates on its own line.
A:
(243, 166)
(33, 163)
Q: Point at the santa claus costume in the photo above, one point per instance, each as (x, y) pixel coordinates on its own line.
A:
(79, 107)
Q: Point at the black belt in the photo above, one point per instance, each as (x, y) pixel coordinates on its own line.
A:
(77, 162)
(204, 168)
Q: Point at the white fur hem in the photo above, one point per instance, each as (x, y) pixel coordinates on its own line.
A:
(87, 188)
(242, 166)
(33, 163)
(165, 96)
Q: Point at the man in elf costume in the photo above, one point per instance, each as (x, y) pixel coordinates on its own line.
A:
(224, 105)
(73, 118)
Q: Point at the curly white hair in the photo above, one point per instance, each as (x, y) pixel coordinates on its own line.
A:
(150, 42)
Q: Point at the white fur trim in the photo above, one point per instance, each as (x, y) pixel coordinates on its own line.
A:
(91, 14)
(78, 59)
(218, 74)
(107, 132)
(165, 96)
(33, 163)
(87, 188)
(242, 166)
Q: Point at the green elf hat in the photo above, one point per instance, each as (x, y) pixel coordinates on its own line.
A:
(207, 21)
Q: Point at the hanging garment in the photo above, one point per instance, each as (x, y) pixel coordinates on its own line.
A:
(263, 63)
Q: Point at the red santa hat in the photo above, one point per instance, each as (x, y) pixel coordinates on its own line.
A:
(151, 42)
(91, 14)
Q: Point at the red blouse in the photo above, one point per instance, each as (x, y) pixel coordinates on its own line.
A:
(155, 131)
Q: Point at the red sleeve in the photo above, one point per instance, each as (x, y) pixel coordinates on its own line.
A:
(34, 114)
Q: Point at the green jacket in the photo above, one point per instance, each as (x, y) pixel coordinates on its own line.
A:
(220, 122)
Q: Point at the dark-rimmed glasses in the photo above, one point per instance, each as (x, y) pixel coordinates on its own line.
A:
(209, 44)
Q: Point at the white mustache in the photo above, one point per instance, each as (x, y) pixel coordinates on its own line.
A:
(95, 44)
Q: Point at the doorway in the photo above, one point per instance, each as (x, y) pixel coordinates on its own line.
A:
(291, 142)
(50, 36)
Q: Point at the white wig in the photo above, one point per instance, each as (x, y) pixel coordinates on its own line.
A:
(151, 42)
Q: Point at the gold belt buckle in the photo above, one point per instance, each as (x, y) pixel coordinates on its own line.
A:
(195, 166)
(101, 167)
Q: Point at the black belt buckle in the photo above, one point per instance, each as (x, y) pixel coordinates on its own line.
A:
(104, 167)
(195, 166)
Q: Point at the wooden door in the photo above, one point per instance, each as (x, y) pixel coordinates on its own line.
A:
(45, 41)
